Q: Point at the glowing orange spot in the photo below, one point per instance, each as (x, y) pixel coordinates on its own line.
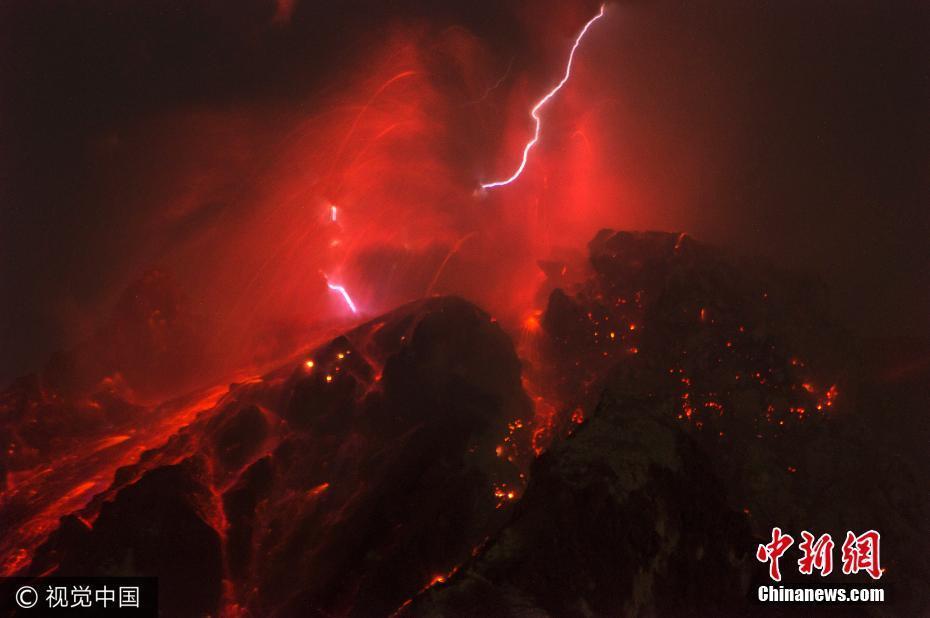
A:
(316, 491)
(503, 494)
(309, 364)
(632, 326)
(531, 324)
(329, 378)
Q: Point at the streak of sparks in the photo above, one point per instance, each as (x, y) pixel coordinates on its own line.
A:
(345, 295)
(539, 105)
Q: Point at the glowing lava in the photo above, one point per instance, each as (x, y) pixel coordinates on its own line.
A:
(535, 111)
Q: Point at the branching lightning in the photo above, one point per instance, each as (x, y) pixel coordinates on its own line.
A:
(542, 102)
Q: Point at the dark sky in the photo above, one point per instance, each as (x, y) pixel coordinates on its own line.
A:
(797, 129)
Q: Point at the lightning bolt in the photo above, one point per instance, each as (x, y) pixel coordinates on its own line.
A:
(542, 102)
(534, 113)
(342, 292)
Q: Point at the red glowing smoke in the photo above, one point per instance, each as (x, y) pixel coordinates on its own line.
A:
(282, 220)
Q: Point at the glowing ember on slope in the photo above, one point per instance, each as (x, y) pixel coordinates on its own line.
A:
(539, 105)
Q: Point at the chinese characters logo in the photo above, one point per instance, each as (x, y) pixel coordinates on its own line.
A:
(858, 553)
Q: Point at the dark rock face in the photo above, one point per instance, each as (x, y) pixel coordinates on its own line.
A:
(341, 486)
(240, 504)
(239, 435)
(623, 518)
(404, 478)
(163, 525)
(782, 405)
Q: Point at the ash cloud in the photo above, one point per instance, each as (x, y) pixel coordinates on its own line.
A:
(202, 138)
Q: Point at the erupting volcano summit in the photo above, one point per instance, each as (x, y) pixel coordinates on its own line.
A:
(669, 409)
(457, 309)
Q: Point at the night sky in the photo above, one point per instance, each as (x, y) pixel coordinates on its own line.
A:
(794, 130)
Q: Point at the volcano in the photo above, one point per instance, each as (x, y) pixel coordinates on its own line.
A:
(622, 453)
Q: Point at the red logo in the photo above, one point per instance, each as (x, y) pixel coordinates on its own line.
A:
(859, 553)
(817, 554)
(773, 551)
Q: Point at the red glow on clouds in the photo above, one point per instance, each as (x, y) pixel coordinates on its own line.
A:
(282, 219)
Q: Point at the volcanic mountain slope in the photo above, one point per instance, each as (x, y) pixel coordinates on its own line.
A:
(342, 485)
(682, 403)
(725, 403)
